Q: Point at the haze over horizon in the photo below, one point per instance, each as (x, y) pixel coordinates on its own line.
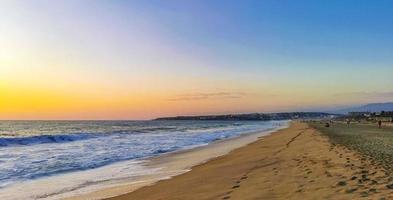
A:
(147, 59)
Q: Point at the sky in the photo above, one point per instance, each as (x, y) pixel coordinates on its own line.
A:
(144, 59)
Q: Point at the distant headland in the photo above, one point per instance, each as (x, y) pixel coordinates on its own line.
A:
(255, 116)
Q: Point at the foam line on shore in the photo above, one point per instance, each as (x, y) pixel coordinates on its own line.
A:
(176, 163)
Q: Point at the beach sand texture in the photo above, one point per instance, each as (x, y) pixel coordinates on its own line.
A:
(294, 163)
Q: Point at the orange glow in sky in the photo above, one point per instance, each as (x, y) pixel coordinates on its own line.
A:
(130, 60)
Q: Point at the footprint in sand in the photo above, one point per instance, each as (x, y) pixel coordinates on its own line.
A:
(364, 194)
(351, 190)
(373, 182)
(228, 195)
(372, 190)
(235, 186)
(299, 190)
(390, 186)
(342, 183)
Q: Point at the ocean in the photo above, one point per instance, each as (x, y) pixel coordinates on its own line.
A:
(34, 154)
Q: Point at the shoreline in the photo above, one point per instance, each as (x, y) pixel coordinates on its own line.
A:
(294, 163)
(172, 164)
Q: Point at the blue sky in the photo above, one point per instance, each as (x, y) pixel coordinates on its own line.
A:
(140, 56)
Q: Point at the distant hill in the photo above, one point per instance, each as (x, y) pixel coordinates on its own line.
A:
(372, 107)
(254, 116)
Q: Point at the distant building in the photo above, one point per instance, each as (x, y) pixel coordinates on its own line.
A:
(359, 114)
(386, 113)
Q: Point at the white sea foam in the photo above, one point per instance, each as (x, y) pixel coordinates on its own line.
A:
(60, 167)
(69, 184)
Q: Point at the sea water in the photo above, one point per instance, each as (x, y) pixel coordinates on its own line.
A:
(47, 159)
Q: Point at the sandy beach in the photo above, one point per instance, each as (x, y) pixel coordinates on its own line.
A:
(294, 163)
(171, 164)
(196, 100)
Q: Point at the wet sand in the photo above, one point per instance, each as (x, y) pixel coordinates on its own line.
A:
(171, 164)
(294, 163)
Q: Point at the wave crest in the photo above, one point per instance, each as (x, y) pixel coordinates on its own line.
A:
(41, 139)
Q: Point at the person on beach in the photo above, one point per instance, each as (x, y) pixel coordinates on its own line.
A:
(379, 124)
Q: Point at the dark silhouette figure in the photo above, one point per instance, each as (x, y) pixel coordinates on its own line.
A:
(379, 124)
